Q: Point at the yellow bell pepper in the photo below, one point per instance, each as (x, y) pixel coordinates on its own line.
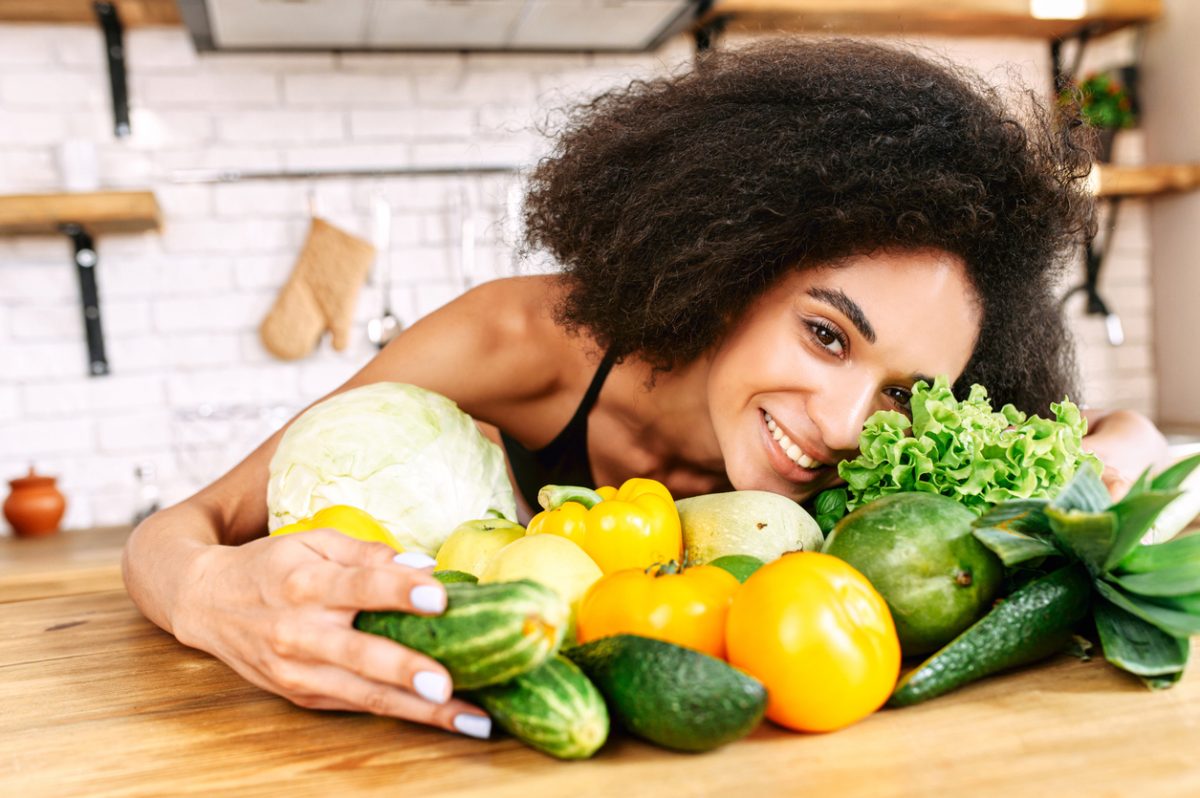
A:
(349, 521)
(634, 526)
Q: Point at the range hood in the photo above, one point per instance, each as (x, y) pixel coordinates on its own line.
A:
(562, 25)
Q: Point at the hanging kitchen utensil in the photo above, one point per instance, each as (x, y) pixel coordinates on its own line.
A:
(381, 330)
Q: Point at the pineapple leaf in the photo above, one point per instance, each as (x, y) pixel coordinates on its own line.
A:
(1085, 492)
(1176, 581)
(1175, 622)
(1135, 516)
(1014, 547)
(1184, 602)
(1140, 485)
(1174, 476)
(1089, 536)
(1136, 646)
(1027, 516)
(1157, 556)
(1161, 682)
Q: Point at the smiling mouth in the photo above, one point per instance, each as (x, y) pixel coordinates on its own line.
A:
(791, 450)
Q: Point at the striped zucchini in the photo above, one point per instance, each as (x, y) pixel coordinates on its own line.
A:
(488, 633)
(553, 708)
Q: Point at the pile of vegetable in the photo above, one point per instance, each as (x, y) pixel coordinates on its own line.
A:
(975, 539)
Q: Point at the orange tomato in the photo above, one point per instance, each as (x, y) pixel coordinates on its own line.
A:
(814, 631)
(687, 609)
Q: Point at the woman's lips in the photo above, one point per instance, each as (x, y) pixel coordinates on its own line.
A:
(783, 465)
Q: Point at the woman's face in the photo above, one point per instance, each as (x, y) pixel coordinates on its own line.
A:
(791, 386)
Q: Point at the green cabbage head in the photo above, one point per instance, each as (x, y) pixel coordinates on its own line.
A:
(407, 456)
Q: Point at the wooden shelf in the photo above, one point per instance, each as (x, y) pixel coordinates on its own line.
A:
(133, 13)
(947, 17)
(98, 212)
(1144, 181)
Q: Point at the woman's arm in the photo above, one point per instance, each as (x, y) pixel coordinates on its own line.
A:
(279, 610)
(1127, 443)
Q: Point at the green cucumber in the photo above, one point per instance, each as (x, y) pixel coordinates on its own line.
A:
(553, 708)
(450, 577)
(669, 695)
(1031, 624)
(488, 633)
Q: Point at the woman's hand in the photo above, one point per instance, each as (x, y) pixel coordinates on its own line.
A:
(279, 611)
(1127, 443)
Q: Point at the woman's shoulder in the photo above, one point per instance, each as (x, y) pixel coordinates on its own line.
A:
(496, 350)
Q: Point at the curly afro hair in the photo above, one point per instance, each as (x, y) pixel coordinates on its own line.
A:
(671, 204)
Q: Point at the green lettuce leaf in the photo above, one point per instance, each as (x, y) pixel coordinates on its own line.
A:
(965, 450)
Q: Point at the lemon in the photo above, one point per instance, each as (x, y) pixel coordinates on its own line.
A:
(348, 520)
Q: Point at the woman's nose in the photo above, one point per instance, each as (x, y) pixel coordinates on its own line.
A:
(840, 412)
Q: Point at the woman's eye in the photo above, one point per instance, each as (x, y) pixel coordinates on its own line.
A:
(829, 338)
(900, 397)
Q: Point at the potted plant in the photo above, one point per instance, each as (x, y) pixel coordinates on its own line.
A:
(1106, 104)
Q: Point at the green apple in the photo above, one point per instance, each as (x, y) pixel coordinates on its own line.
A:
(472, 544)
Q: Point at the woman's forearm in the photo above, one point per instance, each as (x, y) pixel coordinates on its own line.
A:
(159, 558)
(1125, 441)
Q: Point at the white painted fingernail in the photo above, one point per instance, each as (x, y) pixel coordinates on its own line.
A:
(474, 725)
(414, 559)
(428, 598)
(432, 686)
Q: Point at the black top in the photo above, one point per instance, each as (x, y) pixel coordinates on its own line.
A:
(564, 460)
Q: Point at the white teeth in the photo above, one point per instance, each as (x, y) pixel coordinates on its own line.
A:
(793, 451)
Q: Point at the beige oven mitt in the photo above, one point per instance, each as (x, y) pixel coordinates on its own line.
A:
(320, 293)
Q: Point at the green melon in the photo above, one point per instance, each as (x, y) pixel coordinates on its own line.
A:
(918, 551)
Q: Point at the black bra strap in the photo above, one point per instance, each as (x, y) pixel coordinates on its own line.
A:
(586, 403)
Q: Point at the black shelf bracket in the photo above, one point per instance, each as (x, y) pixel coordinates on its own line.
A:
(114, 48)
(1064, 75)
(86, 261)
(706, 35)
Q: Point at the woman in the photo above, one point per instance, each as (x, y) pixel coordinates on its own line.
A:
(757, 255)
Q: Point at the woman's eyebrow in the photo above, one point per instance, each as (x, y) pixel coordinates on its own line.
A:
(849, 308)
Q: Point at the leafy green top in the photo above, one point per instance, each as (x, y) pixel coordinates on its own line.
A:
(965, 451)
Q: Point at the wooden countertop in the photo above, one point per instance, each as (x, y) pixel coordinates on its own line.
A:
(97, 701)
(76, 561)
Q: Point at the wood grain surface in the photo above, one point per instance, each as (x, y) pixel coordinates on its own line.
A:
(98, 211)
(95, 700)
(945, 17)
(77, 561)
(133, 13)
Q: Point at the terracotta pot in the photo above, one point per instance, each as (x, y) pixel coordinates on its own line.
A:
(35, 507)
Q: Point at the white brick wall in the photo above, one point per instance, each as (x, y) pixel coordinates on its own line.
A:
(192, 389)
